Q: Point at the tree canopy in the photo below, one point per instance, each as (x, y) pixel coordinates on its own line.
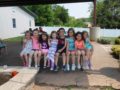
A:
(108, 13)
(54, 15)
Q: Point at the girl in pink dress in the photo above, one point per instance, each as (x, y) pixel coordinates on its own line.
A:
(36, 49)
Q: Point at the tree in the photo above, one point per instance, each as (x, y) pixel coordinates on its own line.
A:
(44, 14)
(108, 13)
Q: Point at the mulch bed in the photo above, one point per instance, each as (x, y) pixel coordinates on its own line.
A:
(4, 78)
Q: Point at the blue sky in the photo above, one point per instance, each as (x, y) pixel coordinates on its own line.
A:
(78, 10)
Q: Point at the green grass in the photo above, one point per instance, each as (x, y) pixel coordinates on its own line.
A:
(15, 39)
(112, 39)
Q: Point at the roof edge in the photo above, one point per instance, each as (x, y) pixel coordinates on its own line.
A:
(28, 11)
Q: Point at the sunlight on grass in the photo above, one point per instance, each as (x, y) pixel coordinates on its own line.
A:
(15, 39)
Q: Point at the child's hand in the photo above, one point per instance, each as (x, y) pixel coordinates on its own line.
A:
(59, 50)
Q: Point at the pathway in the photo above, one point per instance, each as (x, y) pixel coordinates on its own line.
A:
(105, 73)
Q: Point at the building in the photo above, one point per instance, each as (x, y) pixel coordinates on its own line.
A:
(15, 20)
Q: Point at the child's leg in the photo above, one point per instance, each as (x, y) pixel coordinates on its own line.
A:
(68, 67)
(73, 60)
(30, 58)
(78, 58)
(23, 59)
(38, 58)
(83, 57)
(90, 57)
(26, 59)
(45, 60)
(87, 59)
(64, 59)
(56, 59)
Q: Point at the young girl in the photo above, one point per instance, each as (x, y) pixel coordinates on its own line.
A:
(27, 47)
(52, 49)
(71, 48)
(36, 49)
(80, 49)
(89, 50)
(61, 48)
(44, 46)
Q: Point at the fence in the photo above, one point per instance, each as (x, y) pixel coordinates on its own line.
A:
(102, 32)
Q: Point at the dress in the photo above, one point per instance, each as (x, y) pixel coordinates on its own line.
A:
(52, 50)
(28, 47)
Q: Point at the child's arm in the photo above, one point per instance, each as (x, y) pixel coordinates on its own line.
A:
(75, 46)
(49, 42)
(83, 44)
(63, 47)
(24, 42)
(67, 47)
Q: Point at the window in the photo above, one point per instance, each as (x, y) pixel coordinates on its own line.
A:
(14, 22)
(30, 23)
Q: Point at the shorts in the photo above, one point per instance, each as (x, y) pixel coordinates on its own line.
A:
(71, 51)
(64, 51)
(44, 51)
(34, 50)
(25, 51)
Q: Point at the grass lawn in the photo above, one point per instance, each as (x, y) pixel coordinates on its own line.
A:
(15, 39)
(112, 39)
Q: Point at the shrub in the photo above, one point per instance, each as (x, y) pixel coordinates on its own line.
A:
(117, 41)
(104, 41)
(116, 50)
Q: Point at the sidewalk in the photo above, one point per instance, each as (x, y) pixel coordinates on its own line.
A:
(105, 73)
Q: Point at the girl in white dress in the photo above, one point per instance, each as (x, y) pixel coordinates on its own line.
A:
(27, 48)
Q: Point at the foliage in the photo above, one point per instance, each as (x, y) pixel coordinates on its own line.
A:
(55, 15)
(108, 13)
(103, 41)
(116, 50)
(117, 41)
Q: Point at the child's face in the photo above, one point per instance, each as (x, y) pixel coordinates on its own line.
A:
(44, 37)
(71, 33)
(61, 32)
(36, 33)
(85, 35)
(79, 37)
(54, 36)
(27, 35)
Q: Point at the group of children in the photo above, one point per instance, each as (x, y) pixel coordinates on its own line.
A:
(75, 47)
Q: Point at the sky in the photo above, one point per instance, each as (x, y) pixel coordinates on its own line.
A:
(78, 10)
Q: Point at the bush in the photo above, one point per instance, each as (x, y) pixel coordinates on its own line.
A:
(104, 41)
(116, 50)
(117, 41)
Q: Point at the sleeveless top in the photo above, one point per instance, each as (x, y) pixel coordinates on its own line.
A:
(61, 43)
(35, 44)
(79, 44)
(87, 44)
(71, 42)
(44, 45)
(28, 44)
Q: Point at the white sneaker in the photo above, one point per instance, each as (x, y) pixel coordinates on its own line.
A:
(86, 67)
(29, 66)
(51, 69)
(68, 67)
(36, 66)
(79, 66)
(73, 67)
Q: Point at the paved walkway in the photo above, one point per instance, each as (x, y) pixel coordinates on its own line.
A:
(105, 73)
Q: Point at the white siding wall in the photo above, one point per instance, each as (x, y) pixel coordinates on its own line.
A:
(22, 22)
